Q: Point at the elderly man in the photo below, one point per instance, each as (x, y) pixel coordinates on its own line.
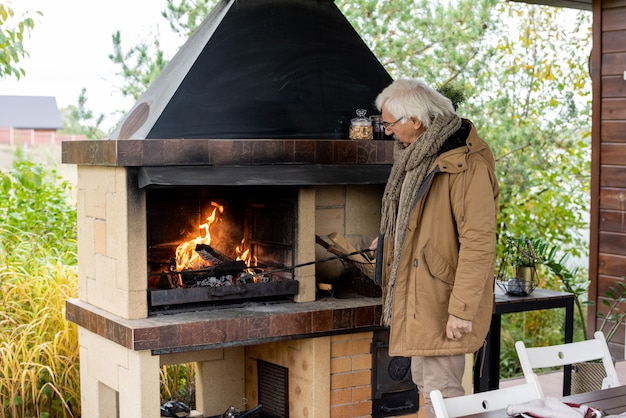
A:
(438, 236)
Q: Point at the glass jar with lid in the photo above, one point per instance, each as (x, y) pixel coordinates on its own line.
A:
(361, 127)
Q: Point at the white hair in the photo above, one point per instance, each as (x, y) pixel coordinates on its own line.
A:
(413, 98)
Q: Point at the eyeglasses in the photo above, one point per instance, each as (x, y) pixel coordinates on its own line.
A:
(389, 125)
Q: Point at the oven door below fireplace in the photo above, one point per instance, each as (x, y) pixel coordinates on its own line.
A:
(393, 390)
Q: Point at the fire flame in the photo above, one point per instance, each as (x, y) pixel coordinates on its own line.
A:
(186, 256)
(244, 255)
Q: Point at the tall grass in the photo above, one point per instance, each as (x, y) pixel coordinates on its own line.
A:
(39, 350)
(39, 375)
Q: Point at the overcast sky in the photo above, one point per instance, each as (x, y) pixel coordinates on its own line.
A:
(70, 45)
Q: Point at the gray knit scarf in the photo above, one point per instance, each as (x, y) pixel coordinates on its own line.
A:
(410, 167)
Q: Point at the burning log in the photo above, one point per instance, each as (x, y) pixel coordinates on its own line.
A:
(226, 268)
(213, 256)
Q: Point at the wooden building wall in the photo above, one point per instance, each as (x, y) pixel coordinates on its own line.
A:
(608, 172)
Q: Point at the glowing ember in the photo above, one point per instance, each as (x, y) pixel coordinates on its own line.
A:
(186, 256)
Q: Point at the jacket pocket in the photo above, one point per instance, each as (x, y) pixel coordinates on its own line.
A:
(438, 266)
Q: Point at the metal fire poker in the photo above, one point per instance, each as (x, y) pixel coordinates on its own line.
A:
(321, 260)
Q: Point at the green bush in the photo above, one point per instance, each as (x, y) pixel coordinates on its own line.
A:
(39, 375)
(36, 205)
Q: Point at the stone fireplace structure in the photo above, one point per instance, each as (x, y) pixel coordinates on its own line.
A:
(258, 99)
(323, 341)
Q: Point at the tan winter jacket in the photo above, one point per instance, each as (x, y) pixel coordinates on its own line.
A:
(447, 263)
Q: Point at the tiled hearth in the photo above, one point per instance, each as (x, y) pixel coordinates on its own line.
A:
(323, 341)
(239, 326)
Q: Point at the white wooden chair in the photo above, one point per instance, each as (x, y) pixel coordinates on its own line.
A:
(485, 401)
(533, 358)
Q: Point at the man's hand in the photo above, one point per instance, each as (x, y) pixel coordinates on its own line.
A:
(457, 327)
(373, 247)
(374, 244)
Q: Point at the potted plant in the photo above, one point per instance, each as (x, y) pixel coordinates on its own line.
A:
(525, 262)
(517, 269)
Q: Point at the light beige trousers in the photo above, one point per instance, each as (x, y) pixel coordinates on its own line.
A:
(441, 372)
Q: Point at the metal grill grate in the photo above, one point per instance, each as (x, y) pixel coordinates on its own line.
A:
(273, 384)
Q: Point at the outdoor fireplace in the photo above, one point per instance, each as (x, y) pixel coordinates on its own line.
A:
(248, 122)
(131, 219)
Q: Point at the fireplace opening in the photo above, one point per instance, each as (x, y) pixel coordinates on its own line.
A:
(212, 246)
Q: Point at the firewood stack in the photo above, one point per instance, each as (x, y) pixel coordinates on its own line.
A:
(339, 245)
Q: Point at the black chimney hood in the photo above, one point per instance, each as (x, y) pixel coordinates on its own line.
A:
(262, 69)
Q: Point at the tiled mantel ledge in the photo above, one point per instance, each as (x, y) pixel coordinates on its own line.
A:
(229, 327)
